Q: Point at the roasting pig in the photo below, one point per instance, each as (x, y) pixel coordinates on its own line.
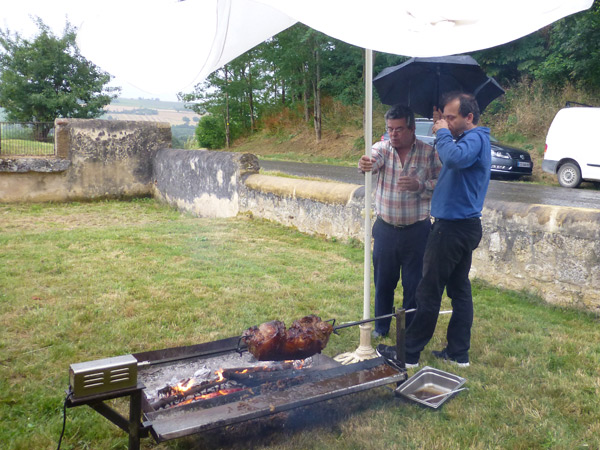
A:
(271, 341)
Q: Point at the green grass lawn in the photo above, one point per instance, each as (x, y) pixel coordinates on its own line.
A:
(85, 281)
(12, 147)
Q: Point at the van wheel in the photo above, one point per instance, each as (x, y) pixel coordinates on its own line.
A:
(569, 175)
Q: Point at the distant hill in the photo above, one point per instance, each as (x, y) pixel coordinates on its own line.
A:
(149, 103)
(154, 110)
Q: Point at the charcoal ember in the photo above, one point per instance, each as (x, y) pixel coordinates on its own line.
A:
(281, 385)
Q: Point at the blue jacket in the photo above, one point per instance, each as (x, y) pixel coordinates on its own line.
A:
(465, 175)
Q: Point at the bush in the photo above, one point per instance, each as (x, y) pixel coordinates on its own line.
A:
(210, 132)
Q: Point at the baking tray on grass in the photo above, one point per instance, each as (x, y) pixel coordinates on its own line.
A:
(431, 387)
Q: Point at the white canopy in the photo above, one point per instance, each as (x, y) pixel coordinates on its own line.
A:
(162, 47)
(177, 44)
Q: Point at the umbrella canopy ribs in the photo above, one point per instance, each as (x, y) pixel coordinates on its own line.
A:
(271, 341)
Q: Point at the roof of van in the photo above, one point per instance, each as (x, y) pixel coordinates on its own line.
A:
(579, 111)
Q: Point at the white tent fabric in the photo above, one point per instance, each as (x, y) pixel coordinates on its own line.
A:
(165, 46)
(428, 27)
(179, 43)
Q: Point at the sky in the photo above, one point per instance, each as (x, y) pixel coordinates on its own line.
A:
(147, 45)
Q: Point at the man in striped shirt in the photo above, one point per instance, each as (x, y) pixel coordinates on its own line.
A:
(407, 171)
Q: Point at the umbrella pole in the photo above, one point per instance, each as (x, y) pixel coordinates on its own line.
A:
(365, 350)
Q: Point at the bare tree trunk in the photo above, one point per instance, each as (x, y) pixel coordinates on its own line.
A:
(251, 102)
(317, 96)
(306, 96)
(227, 131)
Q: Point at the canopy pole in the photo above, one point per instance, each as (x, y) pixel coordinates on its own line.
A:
(368, 179)
(365, 350)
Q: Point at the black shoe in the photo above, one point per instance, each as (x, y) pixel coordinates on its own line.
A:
(443, 354)
(388, 353)
(377, 335)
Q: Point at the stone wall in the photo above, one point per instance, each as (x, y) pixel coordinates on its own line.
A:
(204, 183)
(95, 159)
(549, 250)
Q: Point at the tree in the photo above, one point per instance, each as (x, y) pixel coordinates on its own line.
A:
(564, 52)
(46, 78)
(574, 51)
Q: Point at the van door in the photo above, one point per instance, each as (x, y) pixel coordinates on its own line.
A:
(590, 164)
(584, 120)
(569, 138)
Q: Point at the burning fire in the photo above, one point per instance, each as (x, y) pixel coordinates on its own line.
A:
(297, 363)
(184, 386)
(219, 393)
(192, 389)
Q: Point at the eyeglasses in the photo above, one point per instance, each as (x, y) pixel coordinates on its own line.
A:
(395, 130)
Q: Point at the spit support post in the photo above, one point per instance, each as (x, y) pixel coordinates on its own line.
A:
(401, 336)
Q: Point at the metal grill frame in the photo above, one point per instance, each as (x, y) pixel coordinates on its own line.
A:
(137, 429)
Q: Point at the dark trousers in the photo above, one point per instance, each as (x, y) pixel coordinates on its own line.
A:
(446, 265)
(397, 250)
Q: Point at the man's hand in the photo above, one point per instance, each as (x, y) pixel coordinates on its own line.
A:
(365, 163)
(408, 183)
(437, 114)
(439, 124)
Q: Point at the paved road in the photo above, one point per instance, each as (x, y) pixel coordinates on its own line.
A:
(498, 190)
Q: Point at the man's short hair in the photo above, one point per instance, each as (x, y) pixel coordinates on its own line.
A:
(401, 112)
(468, 104)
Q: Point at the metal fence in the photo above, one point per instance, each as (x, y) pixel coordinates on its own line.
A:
(27, 139)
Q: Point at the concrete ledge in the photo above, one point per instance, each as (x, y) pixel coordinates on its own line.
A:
(580, 221)
(331, 209)
(32, 164)
(320, 191)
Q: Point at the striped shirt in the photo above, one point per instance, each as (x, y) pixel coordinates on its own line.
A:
(404, 207)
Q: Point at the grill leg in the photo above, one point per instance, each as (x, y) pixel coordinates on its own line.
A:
(135, 418)
(132, 426)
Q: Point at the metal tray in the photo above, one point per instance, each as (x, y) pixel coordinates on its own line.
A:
(430, 383)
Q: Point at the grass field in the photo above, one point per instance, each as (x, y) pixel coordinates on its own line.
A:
(171, 116)
(84, 281)
(17, 147)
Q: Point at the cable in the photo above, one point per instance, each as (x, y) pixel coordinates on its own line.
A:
(69, 394)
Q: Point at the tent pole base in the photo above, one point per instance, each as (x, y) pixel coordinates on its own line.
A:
(363, 352)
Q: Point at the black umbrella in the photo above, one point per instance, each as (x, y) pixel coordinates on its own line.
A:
(420, 82)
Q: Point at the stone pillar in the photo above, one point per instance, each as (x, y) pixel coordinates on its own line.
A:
(61, 138)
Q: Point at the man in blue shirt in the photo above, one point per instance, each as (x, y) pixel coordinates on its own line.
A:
(464, 149)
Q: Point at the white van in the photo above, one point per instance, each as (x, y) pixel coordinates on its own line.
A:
(570, 152)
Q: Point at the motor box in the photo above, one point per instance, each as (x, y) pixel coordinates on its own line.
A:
(103, 375)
